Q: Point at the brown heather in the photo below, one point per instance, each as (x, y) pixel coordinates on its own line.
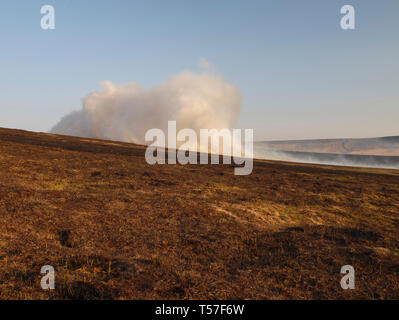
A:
(115, 227)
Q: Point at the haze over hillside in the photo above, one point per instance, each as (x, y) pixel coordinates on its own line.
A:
(368, 152)
(385, 146)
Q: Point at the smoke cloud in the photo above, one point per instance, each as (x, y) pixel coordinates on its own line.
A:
(126, 112)
(262, 151)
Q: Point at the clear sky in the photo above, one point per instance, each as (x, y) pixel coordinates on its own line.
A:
(299, 73)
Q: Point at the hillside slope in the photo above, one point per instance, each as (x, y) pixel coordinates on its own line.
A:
(115, 227)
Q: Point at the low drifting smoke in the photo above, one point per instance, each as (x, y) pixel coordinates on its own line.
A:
(261, 151)
(125, 112)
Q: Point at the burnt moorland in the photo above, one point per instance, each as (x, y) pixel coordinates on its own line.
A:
(115, 227)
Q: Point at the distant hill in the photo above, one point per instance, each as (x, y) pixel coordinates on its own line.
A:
(384, 146)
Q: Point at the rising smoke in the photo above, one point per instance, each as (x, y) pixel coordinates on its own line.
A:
(125, 112)
(197, 101)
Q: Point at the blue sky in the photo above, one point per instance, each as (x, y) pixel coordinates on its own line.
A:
(300, 74)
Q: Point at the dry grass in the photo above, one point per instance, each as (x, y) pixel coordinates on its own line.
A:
(116, 228)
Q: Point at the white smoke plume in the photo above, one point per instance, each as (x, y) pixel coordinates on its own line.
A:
(126, 112)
